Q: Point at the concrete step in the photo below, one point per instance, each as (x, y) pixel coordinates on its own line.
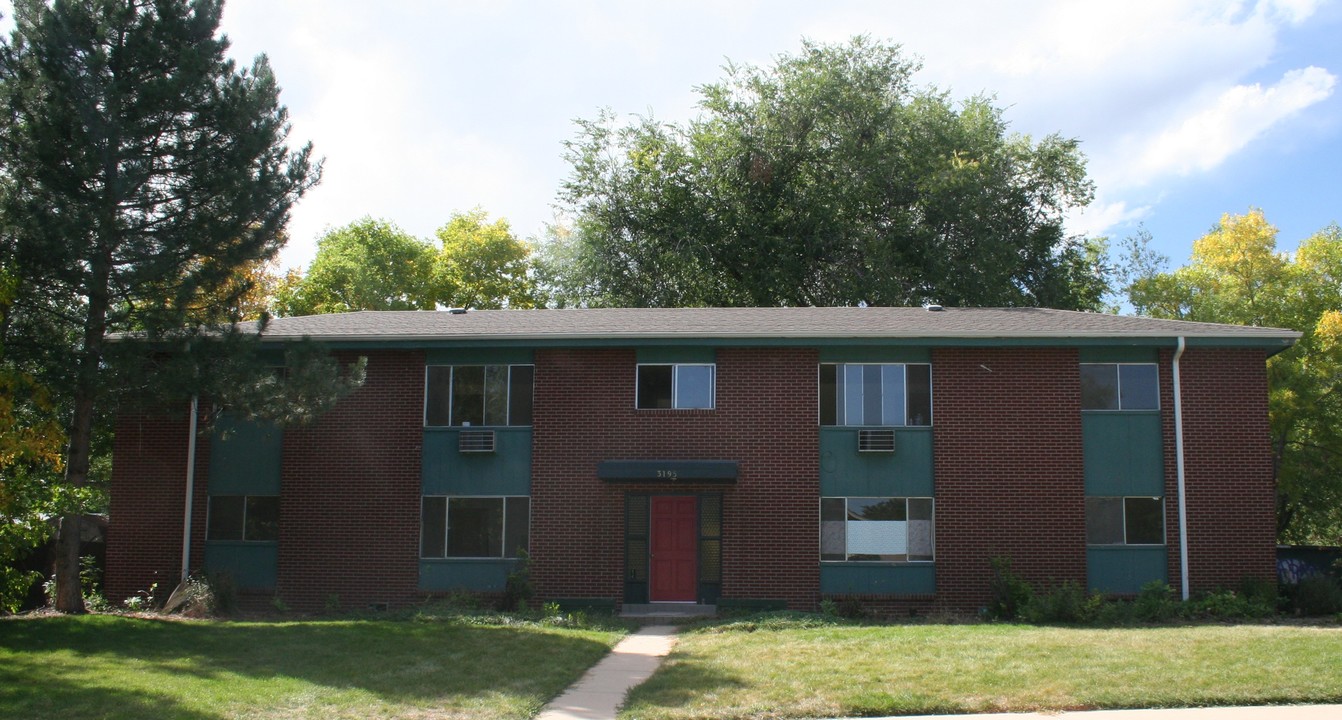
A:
(654, 611)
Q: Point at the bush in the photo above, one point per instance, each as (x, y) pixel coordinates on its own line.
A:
(1155, 602)
(1065, 603)
(1228, 605)
(517, 589)
(1009, 594)
(1318, 595)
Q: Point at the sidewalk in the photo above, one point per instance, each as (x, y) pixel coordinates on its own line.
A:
(600, 692)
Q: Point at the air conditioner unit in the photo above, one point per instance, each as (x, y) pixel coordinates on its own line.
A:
(476, 441)
(876, 440)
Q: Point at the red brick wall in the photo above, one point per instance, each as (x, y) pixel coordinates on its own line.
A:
(1009, 476)
(148, 494)
(1231, 500)
(765, 419)
(350, 493)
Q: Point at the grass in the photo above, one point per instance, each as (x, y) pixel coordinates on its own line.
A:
(106, 666)
(783, 670)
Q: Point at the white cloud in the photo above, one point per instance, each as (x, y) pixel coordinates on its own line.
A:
(1102, 216)
(1203, 139)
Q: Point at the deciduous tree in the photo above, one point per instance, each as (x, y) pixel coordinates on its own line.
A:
(366, 265)
(482, 265)
(828, 178)
(1237, 275)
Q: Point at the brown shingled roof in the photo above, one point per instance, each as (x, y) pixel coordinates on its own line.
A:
(730, 323)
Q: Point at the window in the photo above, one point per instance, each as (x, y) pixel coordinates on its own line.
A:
(679, 387)
(876, 529)
(474, 527)
(1125, 521)
(249, 518)
(1119, 386)
(867, 394)
(476, 395)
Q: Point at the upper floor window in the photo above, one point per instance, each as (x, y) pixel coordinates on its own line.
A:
(1119, 386)
(871, 394)
(678, 386)
(474, 395)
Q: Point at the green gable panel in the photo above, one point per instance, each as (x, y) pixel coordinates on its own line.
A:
(906, 472)
(677, 354)
(245, 457)
(1119, 355)
(251, 565)
(1124, 570)
(470, 575)
(480, 356)
(445, 470)
(870, 579)
(867, 354)
(1123, 453)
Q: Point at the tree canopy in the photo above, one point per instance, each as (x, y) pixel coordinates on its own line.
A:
(366, 265)
(1237, 275)
(140, 169)
(374, 265)
(828, 178)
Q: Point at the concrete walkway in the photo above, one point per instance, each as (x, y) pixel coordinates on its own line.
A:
(599, 693)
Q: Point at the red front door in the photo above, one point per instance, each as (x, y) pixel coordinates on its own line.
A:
(675, 538)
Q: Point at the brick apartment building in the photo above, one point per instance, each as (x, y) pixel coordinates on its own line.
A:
(719, 455)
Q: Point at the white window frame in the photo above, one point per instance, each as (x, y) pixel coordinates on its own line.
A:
(904, 370)
(1118, 388)
(452, 379)
(447, 528)
(1123, 508)
(675, 384)
(847, 554)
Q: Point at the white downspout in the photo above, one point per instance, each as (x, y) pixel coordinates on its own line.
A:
(1179, 471)
(190, 490)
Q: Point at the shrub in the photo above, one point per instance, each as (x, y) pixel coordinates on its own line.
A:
(1318, 595)
(1065, 603)
(517, 589)
(1008, 593)
(1155, 602)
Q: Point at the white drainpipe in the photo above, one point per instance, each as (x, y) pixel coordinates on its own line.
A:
(1179, 465)
(190, 490)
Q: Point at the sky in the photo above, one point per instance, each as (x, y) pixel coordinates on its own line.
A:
(1185, 110)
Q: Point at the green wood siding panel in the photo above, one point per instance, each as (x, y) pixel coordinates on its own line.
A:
(448, 471)
(252, 565)
(244, 457)
(865, 579)
(472, 575)
(860, 354)
(845, 472)
(1123, 453)
(480, 356)
(677, 354)
(1124, 570)
(1119, 355)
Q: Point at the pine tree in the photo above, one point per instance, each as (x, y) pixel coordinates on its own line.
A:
(139, 169)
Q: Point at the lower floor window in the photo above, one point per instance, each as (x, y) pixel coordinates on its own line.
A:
(250, 518)
(474, 527)
(876, 529)
(1125, 521)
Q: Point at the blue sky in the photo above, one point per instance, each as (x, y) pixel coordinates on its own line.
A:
(1186, 110)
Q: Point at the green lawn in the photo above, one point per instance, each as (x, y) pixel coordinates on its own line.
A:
(124, 667)
(850, 670)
